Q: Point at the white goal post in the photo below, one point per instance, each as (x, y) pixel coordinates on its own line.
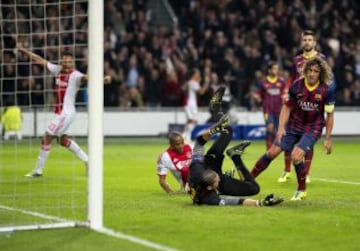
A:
(96, 101)
(67, 195)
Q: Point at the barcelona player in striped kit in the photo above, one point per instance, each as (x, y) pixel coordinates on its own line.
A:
(269, 92)
(308, 44)
(302, 120)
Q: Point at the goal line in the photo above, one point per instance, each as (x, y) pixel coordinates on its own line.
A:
(58, 222)
(64, 223)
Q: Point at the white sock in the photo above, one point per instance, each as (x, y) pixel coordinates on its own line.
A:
(43, 156)
(188, 130)
(75, 148)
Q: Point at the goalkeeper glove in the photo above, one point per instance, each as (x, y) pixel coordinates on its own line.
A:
(270, 200)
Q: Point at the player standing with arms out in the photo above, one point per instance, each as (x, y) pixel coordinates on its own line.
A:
(193, 89)
(308, 45)
(270, 92)
(68, 81)
(302, 120)
(176, 159)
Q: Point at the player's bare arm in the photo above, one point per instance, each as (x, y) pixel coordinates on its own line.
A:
(34, 57)
(107, 79)
(256, 96)
(178, 63)
(284, 117)
(329, 124)
(205, 87)
(164, 184)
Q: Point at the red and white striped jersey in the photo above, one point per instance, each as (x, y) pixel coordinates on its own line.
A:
(177, 163)
(66, 87)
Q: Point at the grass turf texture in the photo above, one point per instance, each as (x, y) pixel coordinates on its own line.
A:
(135, 204)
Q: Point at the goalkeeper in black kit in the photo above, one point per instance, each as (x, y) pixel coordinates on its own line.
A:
(208, 184)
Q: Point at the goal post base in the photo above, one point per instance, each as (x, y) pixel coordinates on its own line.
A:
(65, 224)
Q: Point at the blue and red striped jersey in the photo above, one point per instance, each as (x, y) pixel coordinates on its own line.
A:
(299, 63)
(308, 107)
(271, 94)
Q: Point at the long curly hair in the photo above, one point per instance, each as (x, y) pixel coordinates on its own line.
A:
(207, 179)
(326, 74)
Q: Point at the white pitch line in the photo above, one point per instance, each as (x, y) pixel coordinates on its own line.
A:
(106, 231)
(134, 239)
(35, 214)
(337, 181)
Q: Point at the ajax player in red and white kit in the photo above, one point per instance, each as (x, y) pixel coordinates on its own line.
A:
(176, 159)
(68, 81)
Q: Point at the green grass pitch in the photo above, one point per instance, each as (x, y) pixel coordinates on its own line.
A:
(134, 203)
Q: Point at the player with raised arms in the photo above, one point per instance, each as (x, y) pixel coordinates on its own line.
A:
(68, 81)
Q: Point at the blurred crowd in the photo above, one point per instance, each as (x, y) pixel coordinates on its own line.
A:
(48, 29)
(230, 41)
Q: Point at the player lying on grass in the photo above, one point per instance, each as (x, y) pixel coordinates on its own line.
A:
(177, 157)
(207, 181)
(207, 193)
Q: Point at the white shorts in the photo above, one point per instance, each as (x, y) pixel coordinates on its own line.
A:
(191, 112)
(59, 124)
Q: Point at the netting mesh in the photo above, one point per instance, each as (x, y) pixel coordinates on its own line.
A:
(48, 28)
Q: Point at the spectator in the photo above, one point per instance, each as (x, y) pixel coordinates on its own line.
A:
(254, 32)
(132, 86)
(11, 120)
(174, 73)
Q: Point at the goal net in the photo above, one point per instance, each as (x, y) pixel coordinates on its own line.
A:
(60, 197)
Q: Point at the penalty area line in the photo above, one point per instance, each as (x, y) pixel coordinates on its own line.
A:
(337, 181)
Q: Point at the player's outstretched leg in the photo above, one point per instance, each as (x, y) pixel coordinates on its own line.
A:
(220, 125)
(238, 149)
(235, 153)
(215, 103)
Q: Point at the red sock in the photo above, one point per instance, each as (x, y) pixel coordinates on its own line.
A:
(300, 174)
(260, 165)
(308, 159)
(287, 156)
(269, 140)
